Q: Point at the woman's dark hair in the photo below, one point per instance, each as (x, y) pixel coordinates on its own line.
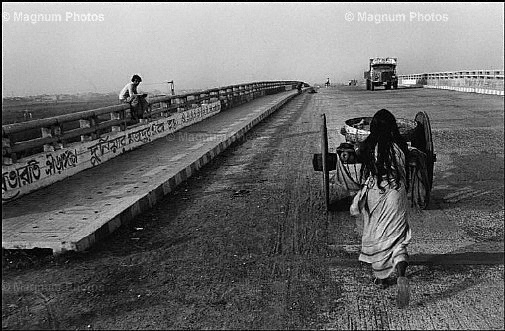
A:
(384, 133)
(136, 77)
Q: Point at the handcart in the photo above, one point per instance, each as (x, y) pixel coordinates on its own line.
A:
(342, 168)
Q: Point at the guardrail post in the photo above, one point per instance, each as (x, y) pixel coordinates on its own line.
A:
(117, 115)
(229, 98)
(200, 99)
(236, 96)
(190, 101)
(178, 102)
(241, 94)
(204, 98)
(54, 131)
(148, 115)
(8, 157)
(246, 93)
(182, 104)
(58, 132)
(89, 123)
(213, 96)
(223, 98)
(165, 106)
(250, 92)
(197, 100)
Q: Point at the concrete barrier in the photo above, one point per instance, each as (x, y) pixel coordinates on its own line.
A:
(473, 81)
(466, 89)
(58, 156)
(43, 169)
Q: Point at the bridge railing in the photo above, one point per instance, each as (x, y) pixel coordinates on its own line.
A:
(477, 79)
(20, 140)
(42, 152)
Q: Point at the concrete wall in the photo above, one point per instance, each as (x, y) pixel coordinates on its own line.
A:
(43, 169)
(103, 140)
(476, 81)
(466, 89)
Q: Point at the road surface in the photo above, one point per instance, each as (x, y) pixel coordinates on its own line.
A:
(247, 242)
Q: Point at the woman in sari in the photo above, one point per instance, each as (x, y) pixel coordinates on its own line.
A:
(383, 203)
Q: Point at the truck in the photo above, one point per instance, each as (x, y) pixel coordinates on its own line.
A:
(381, 72)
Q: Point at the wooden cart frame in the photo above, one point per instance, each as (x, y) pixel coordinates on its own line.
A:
(420, 160)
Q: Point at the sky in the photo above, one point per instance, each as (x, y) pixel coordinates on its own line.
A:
(63, 47)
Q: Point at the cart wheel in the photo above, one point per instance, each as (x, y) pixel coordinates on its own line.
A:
(424, 142)
(424, 120)
(324, 152)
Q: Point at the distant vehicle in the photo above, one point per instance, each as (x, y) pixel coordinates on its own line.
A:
(353, 82)
(382, 72)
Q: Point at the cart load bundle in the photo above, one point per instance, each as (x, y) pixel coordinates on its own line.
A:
(357, 129)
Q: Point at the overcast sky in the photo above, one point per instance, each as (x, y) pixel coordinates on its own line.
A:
(97, 47)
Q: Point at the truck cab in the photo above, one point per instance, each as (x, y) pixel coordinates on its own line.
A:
(382, 72)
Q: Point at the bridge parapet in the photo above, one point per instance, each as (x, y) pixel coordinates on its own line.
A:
(479, 81)
(40, 152)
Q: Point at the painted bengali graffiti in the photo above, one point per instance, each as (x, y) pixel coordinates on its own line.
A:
(105, 145)
(19, 177)
(150, 132)
(49, 167)
(142, 135)
(171, 124)
(61, 162)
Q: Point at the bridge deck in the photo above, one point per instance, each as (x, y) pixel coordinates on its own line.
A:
(78, 211)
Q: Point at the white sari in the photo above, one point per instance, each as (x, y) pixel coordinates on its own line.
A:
(386, 232)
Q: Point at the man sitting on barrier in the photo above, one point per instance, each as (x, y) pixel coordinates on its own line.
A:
(138, 102)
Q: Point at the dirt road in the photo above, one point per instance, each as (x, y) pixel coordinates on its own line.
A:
(247, 243)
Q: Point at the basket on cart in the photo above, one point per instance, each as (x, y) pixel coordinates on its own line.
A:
(420, 159)
(357, 129)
